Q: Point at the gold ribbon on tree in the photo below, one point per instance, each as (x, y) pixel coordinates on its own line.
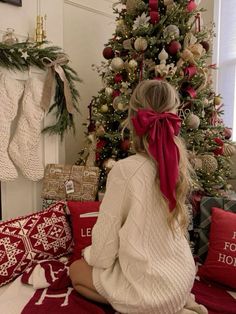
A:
(55, 66)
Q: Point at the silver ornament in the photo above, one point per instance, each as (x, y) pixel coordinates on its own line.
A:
(171, 31)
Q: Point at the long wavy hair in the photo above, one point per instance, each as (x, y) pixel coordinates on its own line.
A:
(160, 96)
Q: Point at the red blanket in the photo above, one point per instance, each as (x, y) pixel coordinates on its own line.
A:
(54, 293)
(216, 299)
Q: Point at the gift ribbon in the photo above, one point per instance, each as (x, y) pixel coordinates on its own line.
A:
(190, 91)
(190, 71)
(55, 66)
(141, 69)
(161, 129)
(198, 23)
(154, 14)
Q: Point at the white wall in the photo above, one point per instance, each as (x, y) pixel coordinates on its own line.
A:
(88, 24)
(23, 196)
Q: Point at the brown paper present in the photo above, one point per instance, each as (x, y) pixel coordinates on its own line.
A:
(84, 182)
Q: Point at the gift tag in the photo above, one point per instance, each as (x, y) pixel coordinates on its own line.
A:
(69, 185)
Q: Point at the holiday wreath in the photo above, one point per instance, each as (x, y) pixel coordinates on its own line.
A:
(21, 56)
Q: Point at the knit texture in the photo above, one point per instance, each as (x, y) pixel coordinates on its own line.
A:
(24, 147)
(10, 93)
(139, 266)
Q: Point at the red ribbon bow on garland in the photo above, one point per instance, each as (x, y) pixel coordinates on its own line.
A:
(162, 128)
(154, 14)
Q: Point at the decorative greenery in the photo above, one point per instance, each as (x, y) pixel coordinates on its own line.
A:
(21, 56)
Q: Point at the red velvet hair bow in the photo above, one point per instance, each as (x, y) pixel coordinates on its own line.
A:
(161, 128)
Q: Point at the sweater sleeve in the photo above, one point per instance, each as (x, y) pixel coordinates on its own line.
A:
(105, 235)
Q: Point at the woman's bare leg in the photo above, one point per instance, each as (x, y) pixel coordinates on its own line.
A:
(82, 281)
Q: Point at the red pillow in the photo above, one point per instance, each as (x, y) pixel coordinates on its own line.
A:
(83, 217)
(36, 237)
(220, 264)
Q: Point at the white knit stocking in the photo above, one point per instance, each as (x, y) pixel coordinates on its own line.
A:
(10, 93)
(25, 143)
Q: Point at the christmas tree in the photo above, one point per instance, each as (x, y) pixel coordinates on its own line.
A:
(162, 40)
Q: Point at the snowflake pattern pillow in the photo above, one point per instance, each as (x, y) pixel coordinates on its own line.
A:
(25, 240)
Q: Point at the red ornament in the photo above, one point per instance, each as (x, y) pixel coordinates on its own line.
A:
(99, 147)
(227, 133)
(108, 53)
(125, 145)
(219, 150)
(115, 93)
(205, 45)
(191, 6)
(118, 78)
(154, 14)
(173, 48)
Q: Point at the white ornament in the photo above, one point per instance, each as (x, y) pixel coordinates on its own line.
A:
(171, 31)
(163, 56)
(117, 64)
(140, 44)
(133, 64)
(24, 55)
(108, 91)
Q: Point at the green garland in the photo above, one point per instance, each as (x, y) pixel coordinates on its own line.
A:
(21, 56)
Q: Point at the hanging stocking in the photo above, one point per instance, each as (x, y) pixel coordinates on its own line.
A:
(25, 143)
(10, 93)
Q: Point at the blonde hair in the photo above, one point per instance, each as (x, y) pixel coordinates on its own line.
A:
(160, 96)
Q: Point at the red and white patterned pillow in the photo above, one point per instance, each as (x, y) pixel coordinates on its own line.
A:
(31, 238)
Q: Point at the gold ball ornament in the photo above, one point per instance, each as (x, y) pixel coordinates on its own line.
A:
(117, 64)
(133, 6)
(209, 163)
(108, 91)
(192, 121)
(133, 64)
(217, 100)
(229, 150)
(140, 44)
(104, 108)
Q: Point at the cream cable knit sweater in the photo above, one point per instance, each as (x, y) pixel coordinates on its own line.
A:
(138, 265)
